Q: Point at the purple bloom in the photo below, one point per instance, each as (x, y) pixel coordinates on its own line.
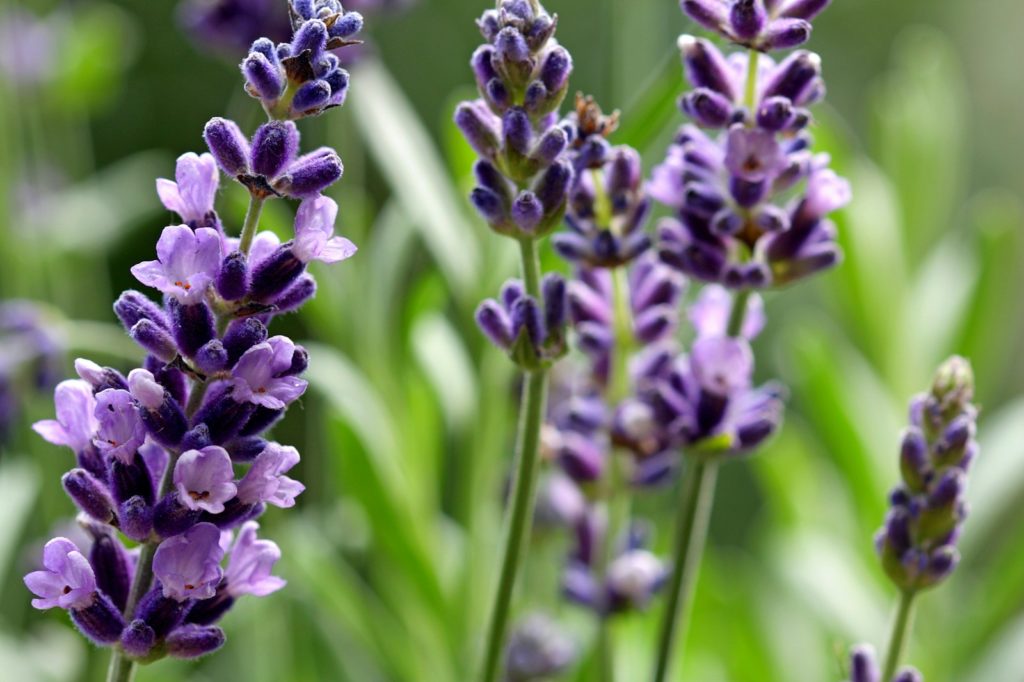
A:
(76, 422)
(192, 195)
(753, 154)
(634, 577)
(709, 314)
(538, 649)
(205, 479)
(120, 431)
(250, 564)
(259, 376)
(314, 230)
(265, 481)
(187, 263)
(188, 565)
(722, 365)
(68, 580)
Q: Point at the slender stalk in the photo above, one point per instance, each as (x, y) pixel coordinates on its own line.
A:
(696, 501)
(252, 220)
(900, 633)
(750, 95)
(691, 532)
(531, 419)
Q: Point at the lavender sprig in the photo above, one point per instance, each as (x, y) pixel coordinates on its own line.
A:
(737, 225)
(917, 544)
(522, 188)
(173, 455)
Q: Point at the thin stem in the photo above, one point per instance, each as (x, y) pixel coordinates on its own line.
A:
(252, 221)
(531, 419)
(121, 669)
(696, 501)
(691, 532)
(750, 96)
(900, 633)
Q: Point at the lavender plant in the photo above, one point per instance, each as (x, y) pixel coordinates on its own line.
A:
(751, 201)
(160, 451)
(522, 76)
(927, 510)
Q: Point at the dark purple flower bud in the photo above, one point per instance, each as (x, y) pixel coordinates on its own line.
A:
(863, 667)
(135, 519)
(101, 621)
(242, 335)
(481, 128)
(312, 96)
(550, 146)
(772, 219)
(138, 638)
(914, 459)
(300, 361)
(160, 412)
(517, 131)
(552, 187)
(581, 458)
(489, 205)
(805, 9)
(711, 14)
(196, 438)
(527, 211)
(154, 339)
(211, 358)
(192, 641)
(495, 323)
(526, 315)
(133, 306)
(245, 449)
(128, 480)
(783, 34)
(556, 302)
(311, 174)
(261, 420)
(511, 46)
(296, 295)
(273, 275)
(908, 675)
(311, 36)
(224, 416)
(192, 324)
(228, 145)
(274, 147)
(747, 18)
(89, 494)
(171, 517)
(707, 68)
(793, 76)
(775, 113)
(233, 279)
(347, 26)
(707, 108)
(159, 612)
(264, 78)
(555, 70)
(113, 568)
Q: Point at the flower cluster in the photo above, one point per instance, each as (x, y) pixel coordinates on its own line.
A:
(173, 455)
(918, 542)
(751, 199)
(864, 668)
(531, 331)
(303, 77)
(522, 75)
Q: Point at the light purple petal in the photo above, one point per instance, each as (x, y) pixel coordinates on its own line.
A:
(337, 249)
(265, 481)
(167, 190)
(120, 432)
(204, 479)
(251, 563)
(188, 565)
(722, 365)
(76, 421)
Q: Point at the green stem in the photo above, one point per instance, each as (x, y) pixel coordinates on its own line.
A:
(750, 97)
(696, 501)
(252, 221)
(531, 419)
(691, 531)
(900, 633)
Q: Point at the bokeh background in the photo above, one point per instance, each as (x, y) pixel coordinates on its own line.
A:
(406, 433)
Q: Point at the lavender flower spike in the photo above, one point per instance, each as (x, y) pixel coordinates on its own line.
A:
(187, 263)
(188, 565)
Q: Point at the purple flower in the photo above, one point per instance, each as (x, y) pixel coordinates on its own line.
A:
(120, 431)
(709, 314)
(265, 481)
(191, 197)
(250, 564)
(188, 565)
(76, 422)
(722, 365)
(187, 263)
(753, 154)
(258, 376)
(314, 230)
(205, 479)
(634, 577)
(68, 580)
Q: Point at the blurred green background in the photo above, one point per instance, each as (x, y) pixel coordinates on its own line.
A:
(406, 435)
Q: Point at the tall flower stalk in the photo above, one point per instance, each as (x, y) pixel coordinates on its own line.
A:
(927, 510)
(522, 75)
(172, 456)
(751, 201)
